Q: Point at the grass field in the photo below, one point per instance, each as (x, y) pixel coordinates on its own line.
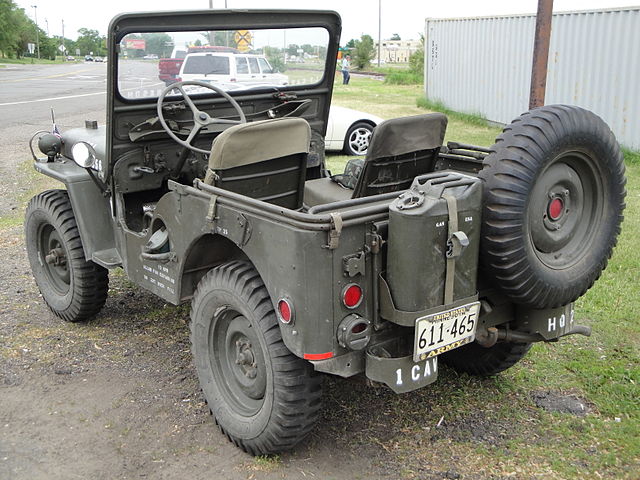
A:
(602, 370)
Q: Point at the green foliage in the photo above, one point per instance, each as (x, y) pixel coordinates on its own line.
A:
(90, 41)
(277, 63)
(159, 44)
(395, 37)
(403, 77)
(275, 56)
(16, 30)
(363, 52)
(631, 157)
(292, 49)
(437, 106)
(416, 60)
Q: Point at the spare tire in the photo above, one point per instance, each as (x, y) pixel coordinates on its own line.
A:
(554, 190)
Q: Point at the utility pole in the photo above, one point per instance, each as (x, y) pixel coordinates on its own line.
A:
(46, 21)
(64, 52)
(541, 53)
(35, 9)
(379, 29)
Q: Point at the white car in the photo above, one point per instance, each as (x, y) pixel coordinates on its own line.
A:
(349, 130)
(224, 68)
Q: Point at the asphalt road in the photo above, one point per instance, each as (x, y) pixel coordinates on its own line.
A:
(30, 91)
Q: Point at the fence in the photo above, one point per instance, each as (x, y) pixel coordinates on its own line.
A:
(483, 65)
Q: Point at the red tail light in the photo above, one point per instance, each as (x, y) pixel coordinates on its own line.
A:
(352, 295)
(285, 311)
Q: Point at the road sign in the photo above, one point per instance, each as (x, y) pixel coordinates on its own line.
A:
(243, 39)
(31, 47)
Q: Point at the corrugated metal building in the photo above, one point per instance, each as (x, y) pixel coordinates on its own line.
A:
(483, 65)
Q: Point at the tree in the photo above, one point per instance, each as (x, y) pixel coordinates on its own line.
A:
(16, 29)
(159, 44)
(292, 49)
(416, 60)
(90, 41)
(363, 52)
(395, 36)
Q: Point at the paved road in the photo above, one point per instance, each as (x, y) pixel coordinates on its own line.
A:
(76, 92)
(29, 91)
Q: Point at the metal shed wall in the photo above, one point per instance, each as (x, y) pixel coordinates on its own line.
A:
(483, 65)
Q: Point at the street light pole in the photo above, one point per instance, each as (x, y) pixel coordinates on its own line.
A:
(35, 9)
(64, 49)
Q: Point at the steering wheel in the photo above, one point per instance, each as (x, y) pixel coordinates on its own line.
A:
(200, 118)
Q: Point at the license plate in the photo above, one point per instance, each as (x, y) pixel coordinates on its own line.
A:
(443, 331)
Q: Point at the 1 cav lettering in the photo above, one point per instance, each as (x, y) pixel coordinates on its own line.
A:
(416, 372)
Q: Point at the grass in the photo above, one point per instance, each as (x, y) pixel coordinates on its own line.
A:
(37, 183)
(603, 369)
(403, 77)
(32, 60)
(471, 119)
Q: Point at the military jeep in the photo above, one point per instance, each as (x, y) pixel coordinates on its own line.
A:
(217, 193)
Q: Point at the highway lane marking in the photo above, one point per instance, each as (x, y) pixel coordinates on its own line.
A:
(49, 76)
(66, 97)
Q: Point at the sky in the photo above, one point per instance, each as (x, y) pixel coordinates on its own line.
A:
(404, 17)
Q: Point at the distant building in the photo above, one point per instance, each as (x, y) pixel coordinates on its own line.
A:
(397, 51)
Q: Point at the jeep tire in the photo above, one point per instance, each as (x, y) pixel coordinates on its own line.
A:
(554, 190)
(475, 359)
(264, 399)
(74, 288)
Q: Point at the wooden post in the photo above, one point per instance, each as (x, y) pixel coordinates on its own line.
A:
(540, 53)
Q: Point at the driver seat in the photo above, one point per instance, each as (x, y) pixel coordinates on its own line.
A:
(265, 160)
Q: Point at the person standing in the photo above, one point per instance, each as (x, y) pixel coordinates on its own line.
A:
(346, 76)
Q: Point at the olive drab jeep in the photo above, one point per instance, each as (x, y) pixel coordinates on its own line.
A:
(216, 192)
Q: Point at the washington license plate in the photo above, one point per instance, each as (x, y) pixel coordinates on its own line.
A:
(443, 331)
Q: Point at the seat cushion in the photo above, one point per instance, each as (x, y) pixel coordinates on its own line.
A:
(324, 190)
(255, 142)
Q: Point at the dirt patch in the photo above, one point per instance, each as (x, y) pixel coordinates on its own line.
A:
(561, 403)
(474, 427)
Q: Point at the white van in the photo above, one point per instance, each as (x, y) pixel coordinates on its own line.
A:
(230, 68)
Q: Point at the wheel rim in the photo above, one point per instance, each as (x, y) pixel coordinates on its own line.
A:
(237, 362)
(53, 257)
(566, 209)
(359, 140)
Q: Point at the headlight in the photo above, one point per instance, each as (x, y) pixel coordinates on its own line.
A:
(83, 155)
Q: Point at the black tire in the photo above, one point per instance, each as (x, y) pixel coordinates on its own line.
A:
(553, 202)
(264, 399)
(357, 139)
(72, 287)
(477, 360)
